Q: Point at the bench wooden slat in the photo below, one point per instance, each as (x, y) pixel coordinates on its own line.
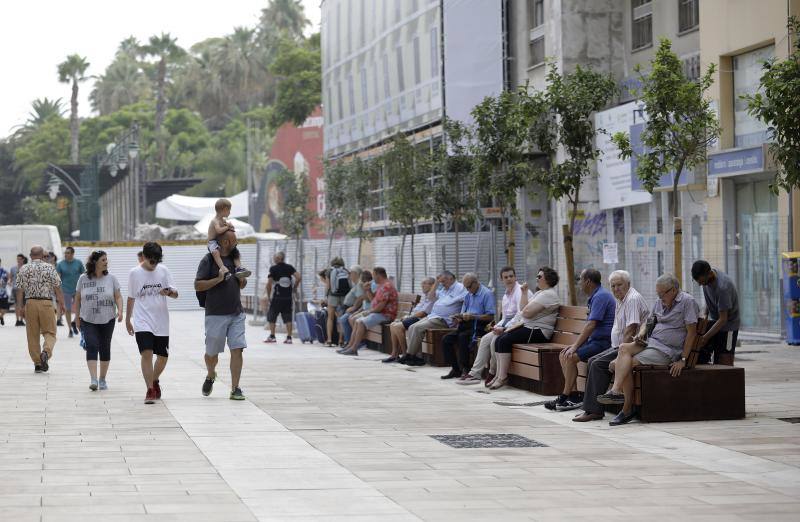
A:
(524, 356)
(525, 370)
(574, 326)
(563, 338)
(573, 312)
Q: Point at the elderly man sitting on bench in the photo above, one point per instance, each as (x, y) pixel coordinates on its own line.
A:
(674, 326)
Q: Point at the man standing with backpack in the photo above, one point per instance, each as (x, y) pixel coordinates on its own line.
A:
(338, 285)
(282, 282)
(225, 318)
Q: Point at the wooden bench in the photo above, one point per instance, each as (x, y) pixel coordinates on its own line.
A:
(701, 392)
(378, 337)
(535, 367)
(432, 349)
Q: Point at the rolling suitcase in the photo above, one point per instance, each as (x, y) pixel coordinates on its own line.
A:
(306, 326)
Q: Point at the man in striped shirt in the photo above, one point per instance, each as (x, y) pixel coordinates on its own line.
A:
(632, 311)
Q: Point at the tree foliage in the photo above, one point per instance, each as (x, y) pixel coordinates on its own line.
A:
(296, 215)
(681, 123)
(777, 104)
(407, 170)
(452, 195)
(73, 71)
(297, 69)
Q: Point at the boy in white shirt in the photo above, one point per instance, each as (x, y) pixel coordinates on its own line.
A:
(149, 285)
(218, 226)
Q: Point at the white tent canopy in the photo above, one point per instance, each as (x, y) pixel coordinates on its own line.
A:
(242, 229)
(187, 208)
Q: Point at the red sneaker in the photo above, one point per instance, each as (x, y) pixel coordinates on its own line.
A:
(157, 388)
(150, 398)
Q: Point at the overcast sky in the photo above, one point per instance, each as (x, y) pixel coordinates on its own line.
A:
(36, 35)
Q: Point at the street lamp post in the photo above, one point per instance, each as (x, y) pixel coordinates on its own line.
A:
(118, 156)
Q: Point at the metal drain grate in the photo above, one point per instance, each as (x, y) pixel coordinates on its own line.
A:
(526, 404)
(488, 440)
(791, 420)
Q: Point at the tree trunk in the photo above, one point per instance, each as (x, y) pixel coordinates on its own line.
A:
(360, 236)
(402, 255)
(161, 109)
(457, 245)
(677, 228)
(73, 124)
(569, 255)
(330, 244)
(413, 282)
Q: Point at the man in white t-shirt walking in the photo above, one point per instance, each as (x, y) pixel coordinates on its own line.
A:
(149, 285)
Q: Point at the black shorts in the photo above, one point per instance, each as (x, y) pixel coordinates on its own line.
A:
(3, 303)
(282, 307)
(159, 344)
(721, 343)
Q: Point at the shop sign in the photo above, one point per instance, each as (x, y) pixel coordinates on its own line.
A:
(736, 161)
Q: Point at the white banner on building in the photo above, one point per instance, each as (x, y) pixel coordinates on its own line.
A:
(613, 173)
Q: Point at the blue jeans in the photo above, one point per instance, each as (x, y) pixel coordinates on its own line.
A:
(345, 330)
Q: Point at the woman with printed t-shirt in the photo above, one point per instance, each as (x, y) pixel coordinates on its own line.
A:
(97, 303)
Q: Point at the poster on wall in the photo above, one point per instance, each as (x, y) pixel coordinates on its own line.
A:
(613, 173)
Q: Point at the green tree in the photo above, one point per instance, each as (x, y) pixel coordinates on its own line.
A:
(42, 109)
(361, 177)
(777, 105)
(73, 71)
(336, 204)
(452, 196)
(681, 124)
(47, 143)
(44, 211)
(560, 119)
(296, 215)
(408, 171)
(283, 18)
(298, 71)
(165, 49)
(124, 81)
(501, 153)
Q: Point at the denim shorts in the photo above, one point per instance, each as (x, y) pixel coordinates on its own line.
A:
(68, 299)
(592, 347)
(370, 320)
(222, 328)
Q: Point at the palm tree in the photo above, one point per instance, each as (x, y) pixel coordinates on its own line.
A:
(42, 109)
(122, 84)
(72, 70)
(283, 17)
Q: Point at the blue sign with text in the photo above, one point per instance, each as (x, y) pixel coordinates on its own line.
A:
(738, 161)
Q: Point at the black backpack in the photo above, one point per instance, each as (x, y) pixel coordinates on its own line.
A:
(201, 296)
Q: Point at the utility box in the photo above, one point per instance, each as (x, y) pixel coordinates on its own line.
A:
(791, 296)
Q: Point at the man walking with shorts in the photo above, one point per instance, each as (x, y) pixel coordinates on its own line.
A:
(70, 270)
(36, 283)
(149, 285)
(282, 281)
(225, 318)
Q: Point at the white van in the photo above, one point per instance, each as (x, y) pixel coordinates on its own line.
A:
(18, 239)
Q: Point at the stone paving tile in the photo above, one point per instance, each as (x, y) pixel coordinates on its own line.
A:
(328, 438)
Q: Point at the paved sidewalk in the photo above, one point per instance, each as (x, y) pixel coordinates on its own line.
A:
(326, 437)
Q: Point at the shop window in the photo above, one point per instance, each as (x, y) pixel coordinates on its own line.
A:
(642, 27)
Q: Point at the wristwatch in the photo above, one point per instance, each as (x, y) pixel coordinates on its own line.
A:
(683, 359)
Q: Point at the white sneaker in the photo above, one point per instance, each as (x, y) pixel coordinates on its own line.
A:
(94, 385)
(103, 385)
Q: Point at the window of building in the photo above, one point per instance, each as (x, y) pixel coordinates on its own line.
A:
(340, 105)
(434, 52)
(417, 67)
(351, 95)
(536, 52)
(535, 13)
(688, 15)
(401, 81)
(364, 93)
(691, 66)
(748, 130)
(642, 27)
(387, 93)
(337, 36)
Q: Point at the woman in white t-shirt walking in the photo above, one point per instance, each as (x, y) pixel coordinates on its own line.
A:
(97, 303)
(149, 285)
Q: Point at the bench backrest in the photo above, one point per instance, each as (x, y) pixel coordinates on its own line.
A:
(569, 324)
(405, 303)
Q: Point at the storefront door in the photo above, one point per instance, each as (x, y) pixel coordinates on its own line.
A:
(758, 257)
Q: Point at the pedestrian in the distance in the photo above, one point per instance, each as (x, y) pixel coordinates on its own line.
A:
(69, 269)
(5, 286)
(98, 302)
(21, 260)
(225, 318)
(149, 285)
(282, 282)
(37, 282)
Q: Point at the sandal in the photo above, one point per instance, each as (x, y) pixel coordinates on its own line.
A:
(498, 383)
